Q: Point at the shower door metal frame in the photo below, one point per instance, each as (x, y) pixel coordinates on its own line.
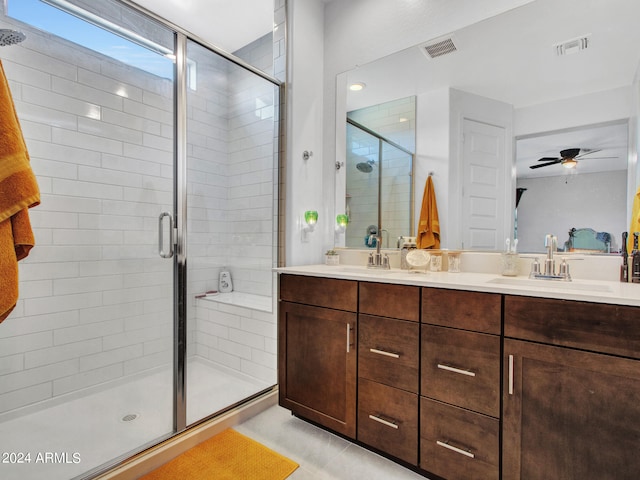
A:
(180, 261)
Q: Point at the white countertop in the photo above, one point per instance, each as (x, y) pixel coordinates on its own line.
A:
(616, 293)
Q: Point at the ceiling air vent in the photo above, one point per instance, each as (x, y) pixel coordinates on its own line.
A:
(572, 46)
(437, 48)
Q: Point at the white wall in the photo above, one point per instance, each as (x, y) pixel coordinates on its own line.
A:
(306, 187)
(600, 107)
(543, 207)
(433, 150)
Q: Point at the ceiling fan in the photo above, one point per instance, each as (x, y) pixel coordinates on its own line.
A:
(568, 158)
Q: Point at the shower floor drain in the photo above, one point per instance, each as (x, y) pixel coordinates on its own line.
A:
(129, 417)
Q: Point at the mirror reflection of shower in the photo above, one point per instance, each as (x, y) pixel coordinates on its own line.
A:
(378, 187)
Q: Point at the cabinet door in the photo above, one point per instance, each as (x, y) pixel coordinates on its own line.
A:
(569, 414)
(317, 365)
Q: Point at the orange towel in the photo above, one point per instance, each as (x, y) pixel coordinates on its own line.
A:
(18, 192)
(429, 225)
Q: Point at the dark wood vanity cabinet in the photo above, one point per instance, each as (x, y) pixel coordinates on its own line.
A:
(388, 365)
(317, 342)
(571, 390)
(460, 384)
(430, 376)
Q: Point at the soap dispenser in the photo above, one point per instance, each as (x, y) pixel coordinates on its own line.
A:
(225, 284)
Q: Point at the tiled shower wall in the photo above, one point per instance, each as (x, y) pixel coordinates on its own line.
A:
(95, 297)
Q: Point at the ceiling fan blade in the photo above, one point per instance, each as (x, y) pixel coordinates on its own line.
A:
(546, 164)
(587, 153)
(592, 158)
(548, 159)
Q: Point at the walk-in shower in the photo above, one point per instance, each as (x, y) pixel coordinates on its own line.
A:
(157, 170)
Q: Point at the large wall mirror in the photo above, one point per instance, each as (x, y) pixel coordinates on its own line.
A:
(564, 76)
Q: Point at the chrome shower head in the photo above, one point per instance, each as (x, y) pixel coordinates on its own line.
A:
(365, 167)
(10, 37)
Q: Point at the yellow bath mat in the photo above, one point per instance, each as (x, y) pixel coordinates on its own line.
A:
(227, 456)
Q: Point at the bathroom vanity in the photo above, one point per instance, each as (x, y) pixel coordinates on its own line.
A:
(464, 377)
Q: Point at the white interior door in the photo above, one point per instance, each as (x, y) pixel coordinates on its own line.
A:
(484, 177)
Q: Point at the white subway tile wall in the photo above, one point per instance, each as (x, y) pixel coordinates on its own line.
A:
(95, 298)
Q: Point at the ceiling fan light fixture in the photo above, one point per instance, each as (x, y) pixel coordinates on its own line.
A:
(569, 163)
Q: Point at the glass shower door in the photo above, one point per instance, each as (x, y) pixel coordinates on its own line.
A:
(230, 229)
(87, 356)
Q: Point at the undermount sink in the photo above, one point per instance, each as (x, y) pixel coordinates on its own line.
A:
(553, 284)
(364, 270)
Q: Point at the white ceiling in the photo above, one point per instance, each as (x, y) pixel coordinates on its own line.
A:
(227, 24)
(511, 58)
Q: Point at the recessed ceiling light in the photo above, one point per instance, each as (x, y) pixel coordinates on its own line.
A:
(356, 87)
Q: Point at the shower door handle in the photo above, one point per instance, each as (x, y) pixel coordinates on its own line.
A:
(161, 251)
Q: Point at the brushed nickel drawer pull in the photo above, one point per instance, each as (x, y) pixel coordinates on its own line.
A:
(348, 337)
(384, 422)
(456, 370)
(456, 449)
(510, 374)
(382, 352)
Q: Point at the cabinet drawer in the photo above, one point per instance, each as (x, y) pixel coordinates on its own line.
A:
(320, 292)
(461, 368)
(457, 444)
(388, 420)
(388, 351)
(475, 311)
(388, 300)
(597, 327)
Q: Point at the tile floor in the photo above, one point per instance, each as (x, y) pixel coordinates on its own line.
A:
(320, 454)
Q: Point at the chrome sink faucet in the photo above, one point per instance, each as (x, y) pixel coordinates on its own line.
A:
(551, 244)
(378, 259)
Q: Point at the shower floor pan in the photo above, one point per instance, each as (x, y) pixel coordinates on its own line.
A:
(66, 440)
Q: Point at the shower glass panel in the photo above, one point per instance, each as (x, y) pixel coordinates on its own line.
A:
(396, 193)
(363, 174)
(231, 179)
(86, 358)
(378, 189)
